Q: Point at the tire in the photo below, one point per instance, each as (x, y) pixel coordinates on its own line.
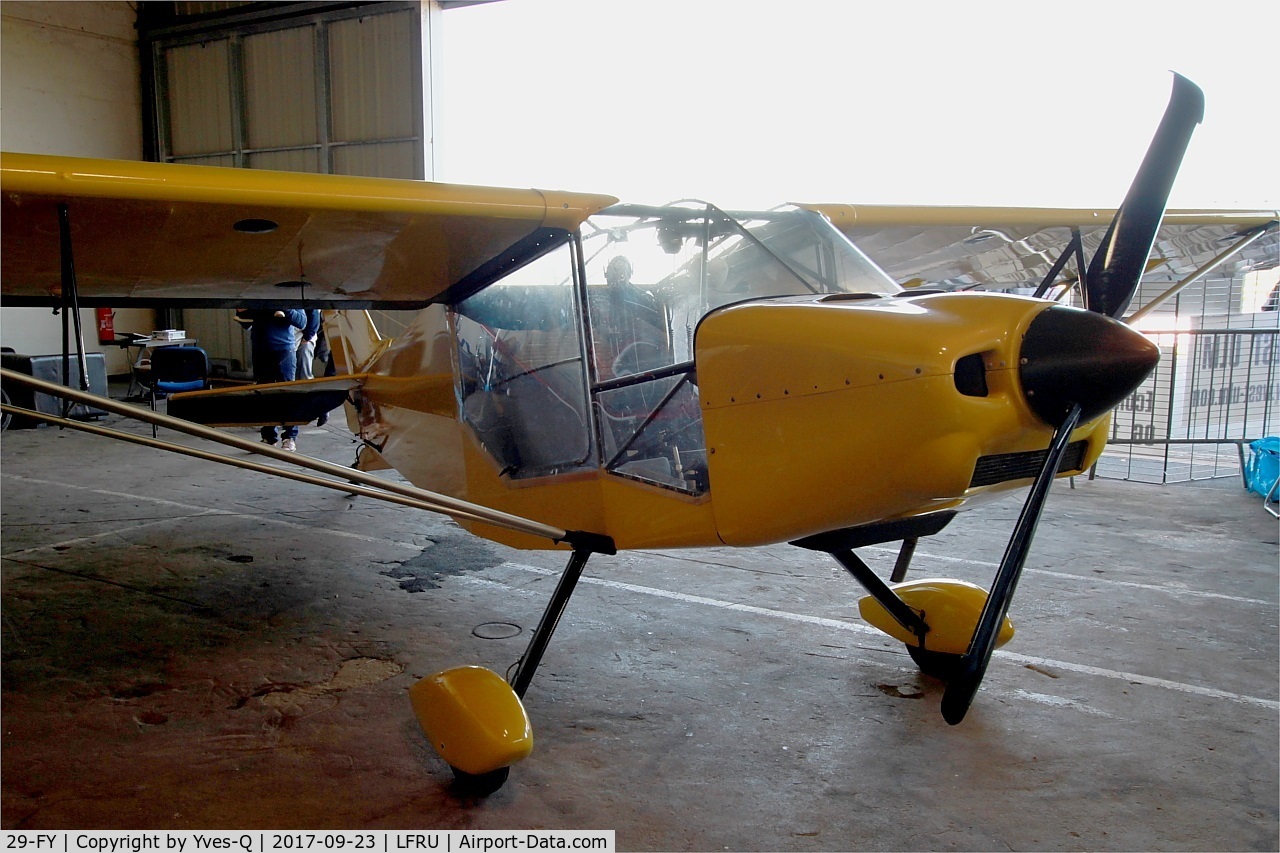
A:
(478, 784)
(940, 665)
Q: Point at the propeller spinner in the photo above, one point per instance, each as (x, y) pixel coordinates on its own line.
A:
(1071, 356)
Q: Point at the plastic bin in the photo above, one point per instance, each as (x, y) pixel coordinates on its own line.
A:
(1263, 466)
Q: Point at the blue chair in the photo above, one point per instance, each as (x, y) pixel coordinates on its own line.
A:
(177, 369)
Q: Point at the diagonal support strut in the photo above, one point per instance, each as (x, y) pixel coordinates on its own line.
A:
(973, 665)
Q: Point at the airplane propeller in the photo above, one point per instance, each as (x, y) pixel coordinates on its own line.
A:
(1117, 266)
(1077, 364)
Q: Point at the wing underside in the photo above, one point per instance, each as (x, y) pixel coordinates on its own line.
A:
(148, 233)
(1001, 248)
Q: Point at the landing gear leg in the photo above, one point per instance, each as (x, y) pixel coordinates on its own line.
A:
(905, 553)
(882, 593)
(550, 619)
(475, 719)
(897, 610)
(938, 664)
(934, 618)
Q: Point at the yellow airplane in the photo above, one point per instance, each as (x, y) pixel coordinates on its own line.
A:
(597, 376)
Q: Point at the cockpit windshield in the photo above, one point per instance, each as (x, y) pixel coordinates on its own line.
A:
(816, 252)
(652, 273)
(661, 269)
(543, 398)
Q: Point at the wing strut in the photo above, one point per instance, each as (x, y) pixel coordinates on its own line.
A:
(70, 309)
(1076, 248)
(399, 492)
(246, 464)
(1211, 265)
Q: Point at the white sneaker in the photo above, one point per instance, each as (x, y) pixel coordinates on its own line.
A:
(289, 445)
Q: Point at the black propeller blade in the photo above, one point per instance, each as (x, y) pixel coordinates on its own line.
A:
(1076, 365)
(1117, 266)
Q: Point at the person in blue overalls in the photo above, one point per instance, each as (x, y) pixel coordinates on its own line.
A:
(271, 334)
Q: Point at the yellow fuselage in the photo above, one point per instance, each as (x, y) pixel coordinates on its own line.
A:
(819, 413)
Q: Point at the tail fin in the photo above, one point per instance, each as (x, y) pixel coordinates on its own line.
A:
(354, 340)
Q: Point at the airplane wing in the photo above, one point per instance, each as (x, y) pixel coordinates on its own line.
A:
(199, 236)
(1001, 248)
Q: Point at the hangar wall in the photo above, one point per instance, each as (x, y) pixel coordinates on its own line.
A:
(326, 88)
(69, 84)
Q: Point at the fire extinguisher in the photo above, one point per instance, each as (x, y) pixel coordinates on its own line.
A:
(106, 325)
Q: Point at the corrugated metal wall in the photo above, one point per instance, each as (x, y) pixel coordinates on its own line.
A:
(282, 117)
(340, 92)
(199, 103)
(189, 8)
(370, 84)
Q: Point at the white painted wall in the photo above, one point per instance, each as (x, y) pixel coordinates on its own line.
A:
(69, 84)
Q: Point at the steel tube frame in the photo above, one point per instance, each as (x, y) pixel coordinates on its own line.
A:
(1208, 267)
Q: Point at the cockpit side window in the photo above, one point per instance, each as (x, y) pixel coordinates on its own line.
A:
(523, 379)
(646, 290)
(654, 272)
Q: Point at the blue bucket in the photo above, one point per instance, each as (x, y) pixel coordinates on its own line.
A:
(1263, 467)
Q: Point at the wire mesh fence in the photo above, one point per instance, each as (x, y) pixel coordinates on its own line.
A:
(1216, 388)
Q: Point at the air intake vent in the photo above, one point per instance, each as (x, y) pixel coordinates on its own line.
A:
(1021, 466)
(971, 376)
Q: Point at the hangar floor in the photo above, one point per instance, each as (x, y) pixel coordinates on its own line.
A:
(187, 646)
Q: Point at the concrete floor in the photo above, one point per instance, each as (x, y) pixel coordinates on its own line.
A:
(187, 646)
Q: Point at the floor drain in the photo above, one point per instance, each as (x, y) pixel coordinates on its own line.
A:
(496, 631)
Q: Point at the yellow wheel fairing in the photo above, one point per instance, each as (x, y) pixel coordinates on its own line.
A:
(951, 609)
(473, 719)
